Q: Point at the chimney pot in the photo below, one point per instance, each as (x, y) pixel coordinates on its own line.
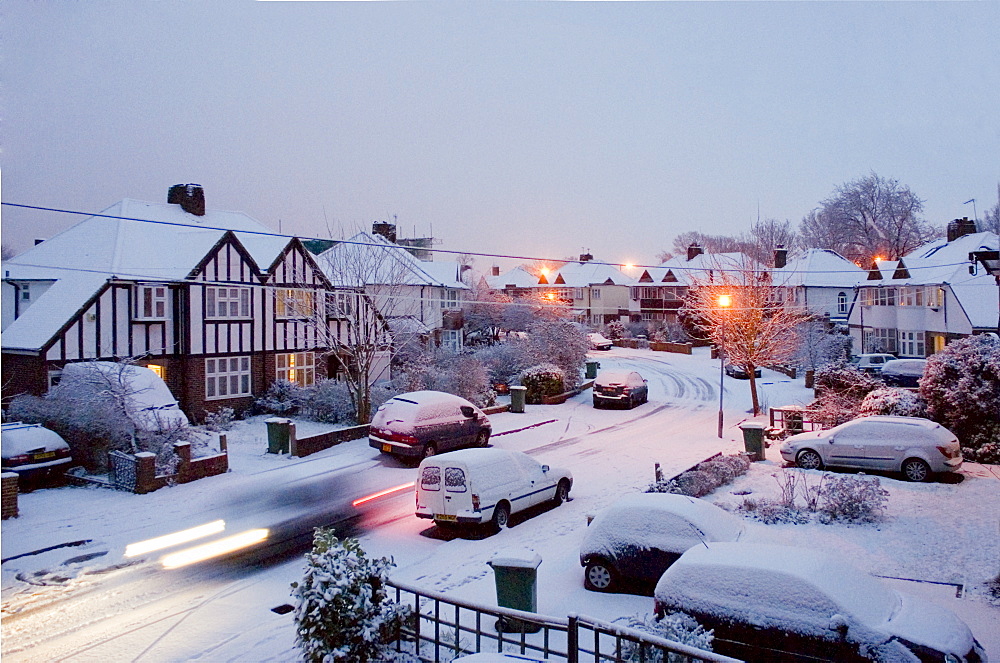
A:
(191, 198)
(694, 250)
(495, 270)
(387, 230)
(586, 257)
(960, 228)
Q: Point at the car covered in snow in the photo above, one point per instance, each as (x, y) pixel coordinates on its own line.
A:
(770, 602)
(478, 486)
(914, 446)
(33, 451)
(598, 341)
(633, 541)
(619, 387)
(870, 362)
(418, 424)
(903, 372)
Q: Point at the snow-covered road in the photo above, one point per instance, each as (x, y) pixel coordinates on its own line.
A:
(90, 610)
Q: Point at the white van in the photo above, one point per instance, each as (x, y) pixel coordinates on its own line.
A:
(475, 486)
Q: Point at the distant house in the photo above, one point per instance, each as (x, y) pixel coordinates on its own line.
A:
(914, 306)
(819, 280)
(211, 301)
(415, 297)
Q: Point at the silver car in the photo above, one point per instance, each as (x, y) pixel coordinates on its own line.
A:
(911, 445)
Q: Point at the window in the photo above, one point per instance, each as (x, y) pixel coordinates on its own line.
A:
(450, 299)
(227, 302)
(911, 344)
(151, 302)
(450, 339)
(158, 369)
(340, 304)
(227, 377)
(595, 293)
(882, 340)
(297, 367)
(292, 303)
(25, 292)
(933, 296)
(454, 480)
(841, 302)
(430, 478)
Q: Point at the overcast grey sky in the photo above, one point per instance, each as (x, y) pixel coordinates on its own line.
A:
(515, 128)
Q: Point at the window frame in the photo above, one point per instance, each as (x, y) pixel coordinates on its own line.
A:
(144, 312)
(304, 303)
(296, 364)
(233, 295)
(214, 377)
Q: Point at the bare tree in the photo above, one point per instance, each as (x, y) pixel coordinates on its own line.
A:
(755, 328)
(867, 218)
(991, 217)
(710, 243)
(7, 252)
(767, 235)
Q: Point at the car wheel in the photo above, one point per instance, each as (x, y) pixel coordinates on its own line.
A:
(482, 439)
(809, 460)
(429, 450)
(562, 492)
(598, 576)
(501, 516)
(597, 404)
(915, 469)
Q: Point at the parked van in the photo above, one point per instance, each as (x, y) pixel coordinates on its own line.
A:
(423, 423)
(476, 486)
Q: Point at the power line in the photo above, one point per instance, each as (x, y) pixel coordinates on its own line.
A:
(710, 268)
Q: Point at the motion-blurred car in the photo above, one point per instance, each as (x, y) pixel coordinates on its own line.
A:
(903, 372)
(871, 362)
(770, 602)
(914, 446)
(740, 373)
(635, 539)
(34, 452)
(423, 423)
(476, 486)
(598, 341)
(620, 388)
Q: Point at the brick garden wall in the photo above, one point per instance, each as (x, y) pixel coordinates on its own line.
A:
(9, 503)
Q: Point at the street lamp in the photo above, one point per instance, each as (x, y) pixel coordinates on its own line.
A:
(990, 260)
(725, 301)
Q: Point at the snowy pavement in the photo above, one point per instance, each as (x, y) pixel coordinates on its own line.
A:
(76, 604)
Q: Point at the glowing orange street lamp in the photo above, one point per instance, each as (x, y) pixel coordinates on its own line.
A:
(724, 301)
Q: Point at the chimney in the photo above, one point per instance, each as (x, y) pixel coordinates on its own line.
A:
(495, 270)
(694, 250)
(387, 230)
(961, 228)
(191, 197)
(780, 256)
(586, 257)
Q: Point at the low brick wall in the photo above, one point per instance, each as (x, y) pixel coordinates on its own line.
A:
(188, 469)
(496, 409)
(679, 348)
(9, 495)
(559, 399)
(785, 370)
(310, 445)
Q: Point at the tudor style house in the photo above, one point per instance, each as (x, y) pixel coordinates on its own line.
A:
(212, 301)
(914, 306)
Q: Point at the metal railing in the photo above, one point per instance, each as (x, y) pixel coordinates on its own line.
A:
(443, 628)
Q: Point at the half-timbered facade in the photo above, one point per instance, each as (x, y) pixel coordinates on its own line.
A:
(214, 303)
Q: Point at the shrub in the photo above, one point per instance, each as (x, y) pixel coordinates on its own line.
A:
(894, 401)
(282, 397)
(676, 626)
(220, 420)
(840, 389)
(329, 401)
(504, 361)
(343, 611)
(615, 330)
(726, 468)
(773, 512)
(542, 380)
(858, 499)
(853, 499)
(561, 343)
(704, 477)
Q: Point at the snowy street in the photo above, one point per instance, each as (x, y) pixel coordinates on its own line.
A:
(87, 602)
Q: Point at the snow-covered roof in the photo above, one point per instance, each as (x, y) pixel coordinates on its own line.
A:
(518, 277)
(702, 268)
(370, 259)
(43, 319)
(583, 274)
(819, 268)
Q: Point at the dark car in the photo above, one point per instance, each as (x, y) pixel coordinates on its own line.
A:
(617, 387)
(34, 452)
(740, 373)
(423, 423)
(634, 540)
(771, 603)
(903, 372)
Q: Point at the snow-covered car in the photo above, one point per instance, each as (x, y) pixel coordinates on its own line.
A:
(423, 423)
(477, 486)
(914, 446)
(770, 602)
(154, 407)
(740, 373)
(635, 539)
(619, 387)
(598, 341)
(33, 451)
(903, 372)
(870, 362)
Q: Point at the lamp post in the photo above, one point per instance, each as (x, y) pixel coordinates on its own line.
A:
(990, 260)
(725, 301)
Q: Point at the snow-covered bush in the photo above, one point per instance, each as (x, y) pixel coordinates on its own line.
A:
(328, 401)
(342, 609)
(961, 385)
(773, 512)
(615, 330)
(504, 361)
(840, 388)
(282, 397)
(220, 420)
(561, 343)
(671, 332)
(893, 401)
(675, 626)
(463, 376)
(542, 380)
(819, 346)
(857, 499)
(704, 477)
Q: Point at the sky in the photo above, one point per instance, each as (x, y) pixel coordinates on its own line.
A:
(530, 129)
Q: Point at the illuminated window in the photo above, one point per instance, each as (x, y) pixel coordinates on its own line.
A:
(158, 369)
(296, 367)
(294, 303)
(227, 377)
